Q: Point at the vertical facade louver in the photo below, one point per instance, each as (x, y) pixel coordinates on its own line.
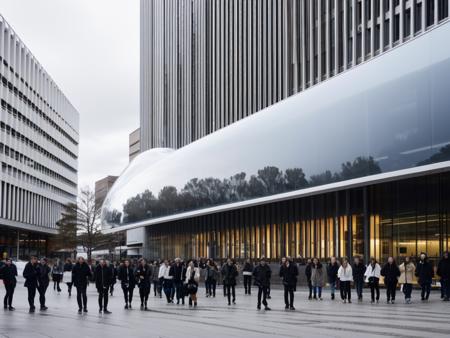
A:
(206, 64)
(38, 146)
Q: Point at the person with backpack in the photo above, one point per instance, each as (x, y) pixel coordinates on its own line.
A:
(289, 273)
(373, 273)
(390, 272)
(407, 271)
(425, 274)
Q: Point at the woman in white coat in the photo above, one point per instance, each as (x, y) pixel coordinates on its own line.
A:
(345, 275)
(372, 274)
(191, 282)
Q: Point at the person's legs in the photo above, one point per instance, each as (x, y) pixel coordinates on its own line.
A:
(42, 289)
(393, 290)
(342, 290)
(319, 293)
(125, 294)
(69, 288)
(428, 290)
(372, 291)
(264, 296)
(100, 299)
(377, 289)
(446, 284)
(291, 298)
(310, 289)
(286, 294)
(233, 293)
(141, 295)
(388, 292)
(315, 292)
(105, 300)
(260, 290)
(79, 293)
(130, 295)
(214, 283)
(228, 293)
(84, 296)
(332, 289)
(422, 290)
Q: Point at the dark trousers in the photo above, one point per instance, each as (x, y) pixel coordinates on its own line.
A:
(346, 292)
(407, 290)
(231, 291)
(262, 291)
(374, 288)
(289, 296)
(426, 289)
(248, 284)
(81, 297)
(211, 287)
(156, 287)
(7, 301)
(179, 292)
(42, 289)
(169, 290)
(359, 284)
(144, 291)
(391, 287)
(127, 293)
(317, 291)
(103, 298)
(310, 288)
(445, 287)
(69, 288)
(31, 295)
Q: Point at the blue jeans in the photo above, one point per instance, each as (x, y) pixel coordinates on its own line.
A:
(333, 287)
(359, 284)
(318, 291)
(407, 290)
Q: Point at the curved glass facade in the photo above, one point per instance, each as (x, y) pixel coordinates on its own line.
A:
(388, 114)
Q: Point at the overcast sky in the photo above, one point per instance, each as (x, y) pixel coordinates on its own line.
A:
(91, 50)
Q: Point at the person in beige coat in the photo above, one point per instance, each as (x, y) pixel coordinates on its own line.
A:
(407, 271)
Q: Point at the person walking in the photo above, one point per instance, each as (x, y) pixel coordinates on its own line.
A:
(192, 277)
(127, 282)
(425, 274)
(30, 273)
(407, 271)
(262, 274)
(212, 275)
(390, 272)
(155, 279)
(373, 273)
(308, 277)
(43, 281)
(345, 275)
(247, 272)
(57, 274)
(289, 273)
(443, 271)
(178, 273)
(81, 273)
(8, 273)
(317, 278)
(167, 282)
(67, 275)
(229, 274)
(358, 277)
(143, 273)
(332, 270)
(114, 270)
(103, 280)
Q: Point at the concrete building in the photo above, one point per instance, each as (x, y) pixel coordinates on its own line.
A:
(38, 150)
(102, 187)
(134, 144)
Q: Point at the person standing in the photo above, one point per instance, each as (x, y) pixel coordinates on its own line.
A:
(317, 278)
(167, 283)
(262, 274)
(9, 274)
(443, 271)
(373, 273)
(390, 272)
(127, 281)
(155, 279)
(192, 276)
(212, 274)
(143, 273)
(67, 275)
(57, 274)
(345, 275)
(81, 273)
(229, 274)
(424, 272)
(308, 277)
(178, 273)
(247, 273)
(332, 270)
(43, 281)
(358, 277)
(114, 270)
(30, 273)
(103, 280)
(289, 273)
(407, 271)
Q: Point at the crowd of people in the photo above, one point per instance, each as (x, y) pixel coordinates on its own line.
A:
(177, 280)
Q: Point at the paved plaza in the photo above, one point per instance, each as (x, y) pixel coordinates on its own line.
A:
(214, 318)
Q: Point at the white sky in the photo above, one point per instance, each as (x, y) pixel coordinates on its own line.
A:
(91, 50)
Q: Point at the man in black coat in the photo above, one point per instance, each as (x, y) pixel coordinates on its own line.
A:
(262, 275)
(424, 272)
(229, 274)
(143, 274)
(127, 281)
(178, 272)
(443, 272)
(30, 273)
(9, 273)
(247, 273)
(289, 273)
(81, 273)
(332, 270)
(103, 280)
(308, 274)
(390, 272)
(43, 281)
(358, 277)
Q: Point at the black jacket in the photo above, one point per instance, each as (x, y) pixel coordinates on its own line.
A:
(248, 267)
(103, 277)
(80, 275)
(332, 270)
(68, 267)
(43, 275)
(178, 272)
(390, 272)
(308, 272)
(143, 274)
(289, 274)
(424, 271)
(358, 271)
(443, 270)
(229, 274)
(126, 276)
(30, 273)
(9, 273)
(262, 274)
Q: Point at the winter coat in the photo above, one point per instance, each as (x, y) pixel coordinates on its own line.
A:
(345, 274)
(80, 275)
(178, 272)
(43, 275)
(248, 269)
(154, 273)
(126, 276)
(406, 273)
(358, 271)
(103, 277)
(192, 275)
(372, 272)
(317, 275)
(443, 270)
(68, 267)
(424, 272)
(390, 272)
(289, 275)
(30, 273)
(9, 273)
(164, 271)
(212, 273)
(262, 275)
(332, 270)
(143, 273)
(308, 272)
(229, 274)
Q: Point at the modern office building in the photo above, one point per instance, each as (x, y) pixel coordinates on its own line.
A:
(102, 187)
(134, 144)
(38, 150)
(355, 162)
